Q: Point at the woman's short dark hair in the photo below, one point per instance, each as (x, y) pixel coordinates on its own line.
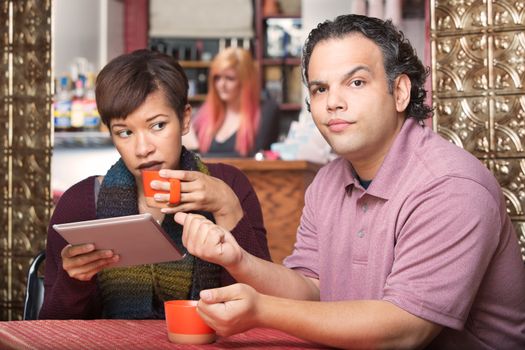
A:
(127, 80)
(399, 56)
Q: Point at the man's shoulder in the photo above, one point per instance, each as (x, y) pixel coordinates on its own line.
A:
(443, 158)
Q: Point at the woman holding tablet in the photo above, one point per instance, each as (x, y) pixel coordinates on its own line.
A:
(142, 99)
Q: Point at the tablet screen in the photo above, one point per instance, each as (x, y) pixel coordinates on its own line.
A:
(138, 239)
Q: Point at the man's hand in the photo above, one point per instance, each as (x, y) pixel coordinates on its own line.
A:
(208, 241)
(82, 261)
(230, 310)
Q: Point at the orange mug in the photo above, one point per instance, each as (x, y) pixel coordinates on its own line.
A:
(174, 192)
(184, 324)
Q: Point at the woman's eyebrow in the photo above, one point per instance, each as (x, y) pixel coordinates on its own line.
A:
(147, 120)
(155, 116)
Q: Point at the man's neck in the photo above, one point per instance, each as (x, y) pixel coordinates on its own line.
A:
(367, 163)
(366, 169)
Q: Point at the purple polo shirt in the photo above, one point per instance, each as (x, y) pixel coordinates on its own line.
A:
(430, 235)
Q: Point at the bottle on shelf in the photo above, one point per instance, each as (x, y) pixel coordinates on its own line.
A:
(91, 116)
(75, 108)
(77, 105)
(62, 105)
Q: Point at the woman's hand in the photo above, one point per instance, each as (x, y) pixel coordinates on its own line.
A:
(230, 310)
(82, 261)
(201, 192)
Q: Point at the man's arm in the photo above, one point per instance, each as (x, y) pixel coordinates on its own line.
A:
(273, 279)
(347, 324)
(213, 243)
(236, 308)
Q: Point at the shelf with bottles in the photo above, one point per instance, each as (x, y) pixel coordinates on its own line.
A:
(197, 79)
(74, 105)
(278, 32)
(284, 84)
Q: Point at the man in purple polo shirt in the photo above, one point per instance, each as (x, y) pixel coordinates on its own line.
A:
(404, 240)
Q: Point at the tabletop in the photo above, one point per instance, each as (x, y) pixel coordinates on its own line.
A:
(128, 334)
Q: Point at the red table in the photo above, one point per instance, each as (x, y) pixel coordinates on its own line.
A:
(128, 334)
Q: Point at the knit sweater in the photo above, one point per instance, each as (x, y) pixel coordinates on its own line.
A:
(68, 298)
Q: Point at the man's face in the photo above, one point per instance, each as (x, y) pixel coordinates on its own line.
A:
(350, 101)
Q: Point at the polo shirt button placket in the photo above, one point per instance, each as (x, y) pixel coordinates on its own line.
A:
(365, 208)
(360, 234)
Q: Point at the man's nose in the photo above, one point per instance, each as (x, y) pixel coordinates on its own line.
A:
(335, 100)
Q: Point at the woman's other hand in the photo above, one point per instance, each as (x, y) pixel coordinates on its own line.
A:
(202, 192)
(83, 261)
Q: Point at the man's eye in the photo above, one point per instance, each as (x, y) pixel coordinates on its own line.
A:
(357, 83)
(318, 90)
(159, 126)
(123, 133)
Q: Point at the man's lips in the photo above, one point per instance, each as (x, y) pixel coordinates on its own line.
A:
(337, 125)
(150, 166)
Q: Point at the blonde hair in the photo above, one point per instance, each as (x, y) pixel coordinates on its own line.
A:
(211, 115)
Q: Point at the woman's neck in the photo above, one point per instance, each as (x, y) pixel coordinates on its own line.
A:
(230, 125)
(233, 106)
(144, 208)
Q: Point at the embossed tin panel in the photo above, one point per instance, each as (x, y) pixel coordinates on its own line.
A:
(478, 69)
(25, 138)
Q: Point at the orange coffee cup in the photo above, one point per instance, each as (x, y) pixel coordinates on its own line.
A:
(174, 192)
(184, 324)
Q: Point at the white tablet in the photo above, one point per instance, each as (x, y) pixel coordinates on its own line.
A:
(138, 239)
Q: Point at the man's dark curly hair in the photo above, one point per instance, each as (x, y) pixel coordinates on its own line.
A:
(399, 56)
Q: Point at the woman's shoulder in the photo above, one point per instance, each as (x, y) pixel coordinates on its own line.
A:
(221, 170)
(228, 173)
(82, 186)
(78, 201)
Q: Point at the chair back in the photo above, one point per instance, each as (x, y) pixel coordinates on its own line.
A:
(35, 288)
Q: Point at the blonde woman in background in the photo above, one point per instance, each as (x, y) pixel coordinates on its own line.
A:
(233, 121)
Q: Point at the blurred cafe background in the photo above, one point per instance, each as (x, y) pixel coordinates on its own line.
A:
(51, 135)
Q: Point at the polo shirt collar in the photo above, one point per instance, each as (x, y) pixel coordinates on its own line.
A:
(396, 160)
(349, 175)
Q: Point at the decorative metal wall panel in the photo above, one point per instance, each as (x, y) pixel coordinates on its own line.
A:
(25, 138)
(478, 69)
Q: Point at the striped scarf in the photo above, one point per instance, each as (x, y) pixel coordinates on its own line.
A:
(139, 292)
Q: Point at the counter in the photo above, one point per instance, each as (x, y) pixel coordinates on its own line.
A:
(280, 187)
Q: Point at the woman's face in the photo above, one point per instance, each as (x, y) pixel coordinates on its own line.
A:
(228, 85)
(150, 137)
